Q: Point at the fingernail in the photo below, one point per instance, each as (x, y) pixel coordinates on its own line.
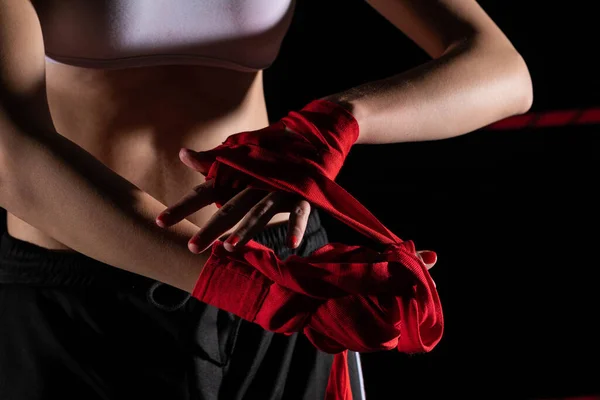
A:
(429, 257)
(294, 241)
(194, 248)
(233, 240)
(186, 152)
(160, 220)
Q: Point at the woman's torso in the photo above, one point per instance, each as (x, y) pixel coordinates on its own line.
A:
(136, 119)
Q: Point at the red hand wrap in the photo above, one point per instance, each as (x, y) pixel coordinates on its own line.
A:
(342, 297)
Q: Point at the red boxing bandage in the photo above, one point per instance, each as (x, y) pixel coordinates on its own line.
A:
(341, 297)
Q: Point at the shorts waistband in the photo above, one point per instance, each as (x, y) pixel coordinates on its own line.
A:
(28, 264)
(24, 263)
(275, 237)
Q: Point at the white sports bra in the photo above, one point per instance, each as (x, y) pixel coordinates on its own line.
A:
(238, 34)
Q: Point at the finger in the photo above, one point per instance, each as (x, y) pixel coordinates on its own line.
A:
(225, 218)
(191, 159)
(258, 217)
(428, 257)
(297, 223)
(201, 196)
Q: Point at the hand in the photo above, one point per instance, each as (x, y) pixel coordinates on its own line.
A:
(253, 207)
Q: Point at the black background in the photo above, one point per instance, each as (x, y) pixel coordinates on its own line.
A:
(512, 214)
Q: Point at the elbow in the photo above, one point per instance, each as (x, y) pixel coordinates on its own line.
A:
(523, 86)
(3, 173)
(507, 72)
(513, 85)
(3, 158)
(7, 158)
(4, 168)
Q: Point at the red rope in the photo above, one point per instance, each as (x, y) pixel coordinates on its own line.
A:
(549, 119)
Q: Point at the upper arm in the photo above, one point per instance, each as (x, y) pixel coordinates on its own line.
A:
(437, 25)
(22, 66)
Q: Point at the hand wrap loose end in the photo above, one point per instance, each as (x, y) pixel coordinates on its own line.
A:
(341, 297)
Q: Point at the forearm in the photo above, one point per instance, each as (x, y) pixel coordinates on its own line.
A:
(61, 189)
(470, 86)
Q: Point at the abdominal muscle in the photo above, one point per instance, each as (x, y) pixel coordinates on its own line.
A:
(136, 120)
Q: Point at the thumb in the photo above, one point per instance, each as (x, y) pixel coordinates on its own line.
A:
(194, 160)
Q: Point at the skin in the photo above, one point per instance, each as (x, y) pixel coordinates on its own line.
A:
(89, 158)
(476, 77)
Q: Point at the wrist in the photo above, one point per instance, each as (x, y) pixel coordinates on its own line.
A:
(334, 124)
(354, 107)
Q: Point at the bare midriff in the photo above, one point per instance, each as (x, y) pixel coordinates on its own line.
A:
(136, 120)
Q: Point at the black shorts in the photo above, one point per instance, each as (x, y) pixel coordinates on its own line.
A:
(72, 327)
